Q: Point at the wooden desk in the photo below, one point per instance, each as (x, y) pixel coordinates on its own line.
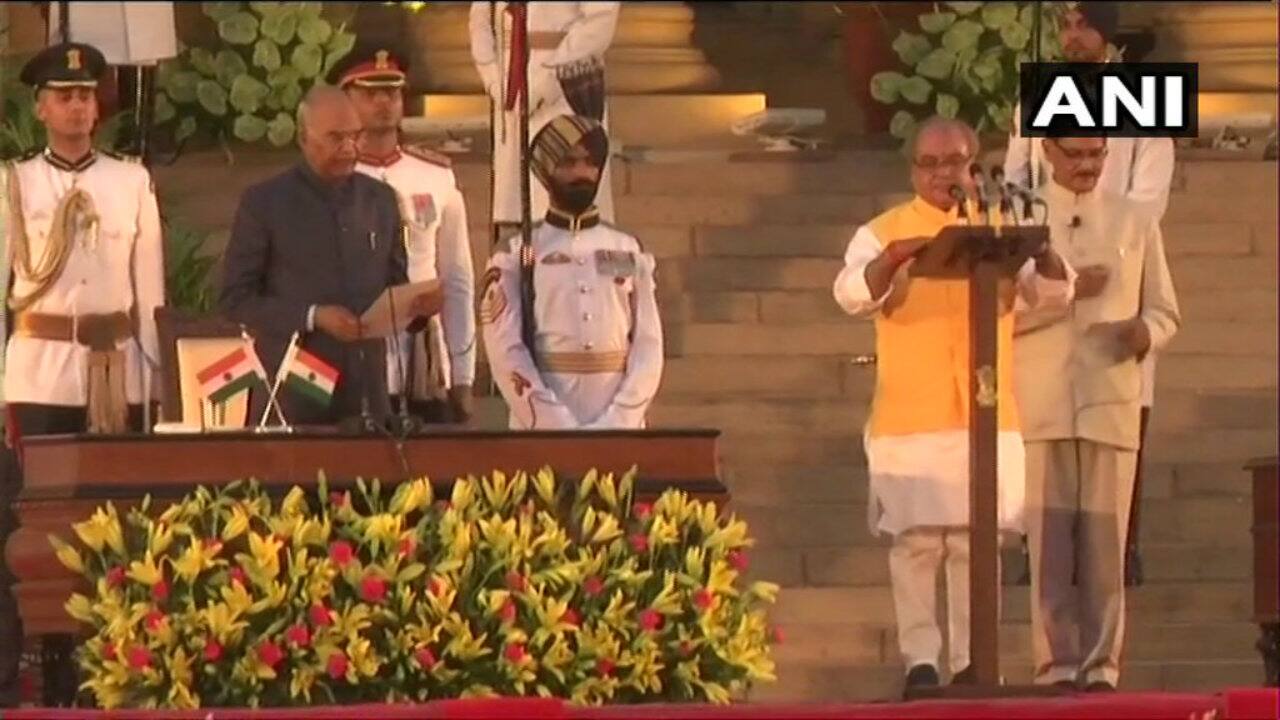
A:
(1266, 561)
(66, 477)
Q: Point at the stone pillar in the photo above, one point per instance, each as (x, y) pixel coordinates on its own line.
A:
(1234, 42)
(652, 52)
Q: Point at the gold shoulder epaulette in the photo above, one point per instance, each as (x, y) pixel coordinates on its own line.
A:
(426, 154)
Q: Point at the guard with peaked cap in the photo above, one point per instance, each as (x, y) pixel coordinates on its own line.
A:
(370, 66)
(64, 65)
(588, 353)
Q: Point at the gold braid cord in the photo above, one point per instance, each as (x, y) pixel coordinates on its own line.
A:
(75, 208)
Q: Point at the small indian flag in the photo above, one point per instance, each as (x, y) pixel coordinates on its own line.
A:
(309, 375)
(235, 372)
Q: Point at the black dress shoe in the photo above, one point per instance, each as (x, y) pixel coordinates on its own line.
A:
(967, 676)
(1099, 686)
(920, 676)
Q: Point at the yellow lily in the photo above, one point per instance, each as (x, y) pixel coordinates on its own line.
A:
(363, 658)
(67, 555)
(79, 607)
(265, 552)
(224, 623)
(384, 528)
(237, 523)
(146, 571)
(294, 503)
(160, 538)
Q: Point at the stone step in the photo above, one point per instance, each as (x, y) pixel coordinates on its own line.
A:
(773, 240)
(825, 417)
(733, 274)
(1254, 338)
(841, 340)
(1185, 410)
(863, 172)
(772, 486)
(812, 209)
(1213, 445)
(1215, 373)
(1188, 562)
(1225, 304)
(1203, 522)
(1196, 238)
(764, 377)
(1224, 178)
(1189, 207)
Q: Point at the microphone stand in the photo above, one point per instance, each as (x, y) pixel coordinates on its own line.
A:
(364, 423)
(404, 424)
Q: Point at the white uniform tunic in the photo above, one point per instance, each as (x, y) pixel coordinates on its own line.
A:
(438, 248)
(598, 344)
(113, 267)
(588, 29)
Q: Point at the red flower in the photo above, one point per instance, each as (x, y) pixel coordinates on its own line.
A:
(639, 542)
(592, 586)
(298, 635)
(643, 510)
(444, 505)
(373, 589)
(337, 666)
(508, 611)
(155, 619)
(571, 617)
(514, 652)
(115, 576)
(651, 619)
(777, 636)
(426, 658)
(406, 546)
(139, 657)
(605, 667)
(686, 648)
(238, 576)
(213, 545)
(270, 653)
(341, 553)
(702, 599)
(160, 591)
(320, 616)
(515, 581)
(212, 650)
(434, 586)
(337, 499)
(527, 508)
(738, 560)
(109, 651)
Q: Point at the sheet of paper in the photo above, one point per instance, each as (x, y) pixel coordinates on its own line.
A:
(379, 320)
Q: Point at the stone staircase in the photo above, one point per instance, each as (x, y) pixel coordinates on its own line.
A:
(756, 346)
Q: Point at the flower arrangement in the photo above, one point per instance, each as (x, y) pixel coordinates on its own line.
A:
(516, 586)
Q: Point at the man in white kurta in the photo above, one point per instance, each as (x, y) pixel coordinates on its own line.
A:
(1078, 383)
(1140, 169)
(917, 438)
(562, 38)
(439, 363)
(593, 357)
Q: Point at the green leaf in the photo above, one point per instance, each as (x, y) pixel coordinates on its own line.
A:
(1015, 36)
(964, 8)
(411, 572)
(996, 15)
(219, 11)
(902, 125)
(247, 94)
(916, 90)
(186, 128)
(203, 61)
(280, 130)
(309, 8)
(307, 60)
(315, 30)
(963, 34)
(163, 111)
(937, 64)
(290, 96)
(181, 87)
(885, 86)
(266, 8)
(286, 75)
(230, 66)
(341, 41)
(249, 128)
(934, 23)
(212, 97)
(281, 26)
(239, 29)
(266, 54)
(947, 106)
(911, 47)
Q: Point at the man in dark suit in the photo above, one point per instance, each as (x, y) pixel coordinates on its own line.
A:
(310, 250)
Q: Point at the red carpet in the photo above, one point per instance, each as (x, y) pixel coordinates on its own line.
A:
(1241, 704)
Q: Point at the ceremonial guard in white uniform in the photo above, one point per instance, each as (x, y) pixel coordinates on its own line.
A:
(588, 354)
(567, 43)
(439, 363)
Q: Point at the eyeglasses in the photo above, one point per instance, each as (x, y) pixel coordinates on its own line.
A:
(933, 163)
(337, 137)
(1078, 155)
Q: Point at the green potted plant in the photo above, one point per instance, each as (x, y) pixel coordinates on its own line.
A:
(964, 64)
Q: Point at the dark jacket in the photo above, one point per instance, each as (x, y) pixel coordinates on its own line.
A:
(296, 242)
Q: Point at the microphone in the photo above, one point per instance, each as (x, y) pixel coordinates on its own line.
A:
(405, 423)
(957, 193)
(1006, 202)
(980, 186)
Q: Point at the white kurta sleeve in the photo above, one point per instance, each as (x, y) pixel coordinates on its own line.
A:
(850, 288)
(644, 358)
(1159, 300)
(590, 34)
(148, 269)
(1152, 172)
(533, 405)
(483, 50)
(453, 265)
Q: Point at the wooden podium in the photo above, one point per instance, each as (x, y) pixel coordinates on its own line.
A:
(66, 477)
(985, 255)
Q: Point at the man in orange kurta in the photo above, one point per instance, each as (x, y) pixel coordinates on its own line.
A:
(917, 438)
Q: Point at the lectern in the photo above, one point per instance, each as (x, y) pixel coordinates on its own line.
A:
(985, 255)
